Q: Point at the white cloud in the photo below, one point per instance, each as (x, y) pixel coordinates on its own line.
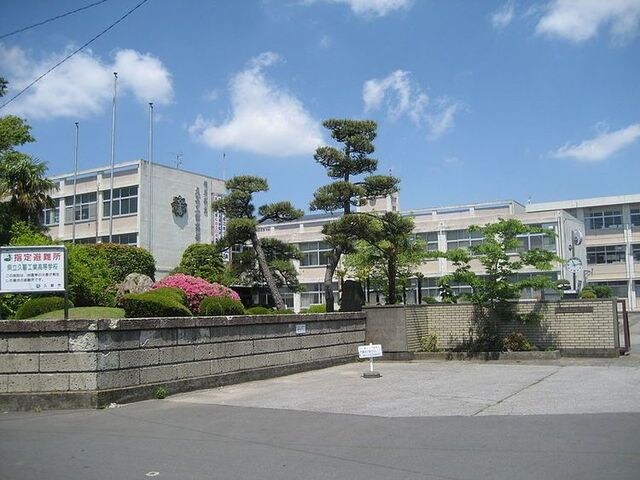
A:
(325, 42)
(265, 118)
(601, 146)
(503, 16)
(82, 86)
(442, 120)
(404, 97)
(144, 75)
(371, 8)
(580, 20)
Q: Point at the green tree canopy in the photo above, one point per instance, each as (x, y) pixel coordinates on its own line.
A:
(501, 258)
(390, 251)
(24, 188)
(242, 224)
(346, 165)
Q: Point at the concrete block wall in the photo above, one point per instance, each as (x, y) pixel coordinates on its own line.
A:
(576, 327)
(81, 363)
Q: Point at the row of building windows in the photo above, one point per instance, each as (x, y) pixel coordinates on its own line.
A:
(318, 253)
(611, 254)
(125, 202)
(121, 238)
(610, 219)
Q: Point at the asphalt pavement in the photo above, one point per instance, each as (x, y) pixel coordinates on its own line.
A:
(562, 419)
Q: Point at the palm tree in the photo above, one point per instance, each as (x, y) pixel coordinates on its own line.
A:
(24, 186)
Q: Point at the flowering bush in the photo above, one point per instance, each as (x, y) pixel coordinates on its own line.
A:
(196, 289)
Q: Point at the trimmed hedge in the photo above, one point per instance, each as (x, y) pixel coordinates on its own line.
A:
(165, 302)
(37, 306)
(126, 259)
(212, 306)
(319, 308)
(202, 260)
(259, 311)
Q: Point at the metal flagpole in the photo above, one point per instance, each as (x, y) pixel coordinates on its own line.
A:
(75, 185)
(150, 157)
(113, 152)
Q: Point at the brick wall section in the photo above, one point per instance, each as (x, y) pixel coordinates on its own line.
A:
(575, 327)
(79, 362)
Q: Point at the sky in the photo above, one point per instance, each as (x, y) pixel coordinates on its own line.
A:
(475, 101)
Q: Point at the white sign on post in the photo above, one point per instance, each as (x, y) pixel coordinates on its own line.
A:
(370, 351)
(32, 269)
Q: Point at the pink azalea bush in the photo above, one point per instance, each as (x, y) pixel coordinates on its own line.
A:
(196, 289)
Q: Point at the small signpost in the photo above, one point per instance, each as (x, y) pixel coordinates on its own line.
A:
(38, 269)
(370, 351)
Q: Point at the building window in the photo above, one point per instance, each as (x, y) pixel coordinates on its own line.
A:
(429, 288)
(463, 239)
(635, 217)
(314, 294)
(122, 238)
(604, 219)
(636, 252)
(125, 201)
(86, 240)
(85, 208)
(541, 241)
(430, 238)
(605, 254)
(51, 216)
(314, 253)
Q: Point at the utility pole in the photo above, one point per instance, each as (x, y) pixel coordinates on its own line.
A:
(113, 153)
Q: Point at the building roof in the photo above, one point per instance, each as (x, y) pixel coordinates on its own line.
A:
(123, 166)
(584, 203)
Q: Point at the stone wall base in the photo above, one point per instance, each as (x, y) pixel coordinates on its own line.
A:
(102, 398)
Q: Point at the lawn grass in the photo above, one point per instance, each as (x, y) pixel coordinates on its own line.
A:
(88, 313)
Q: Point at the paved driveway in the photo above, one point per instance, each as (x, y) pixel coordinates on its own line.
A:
(427, 420)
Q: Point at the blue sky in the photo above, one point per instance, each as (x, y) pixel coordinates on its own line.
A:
(475, 100)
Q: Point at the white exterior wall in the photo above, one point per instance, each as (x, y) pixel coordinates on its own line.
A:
(167, 235)
(161, 232)
(628, 235)
(438, 220)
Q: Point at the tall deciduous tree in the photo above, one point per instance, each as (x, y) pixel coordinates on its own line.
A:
(343, 165)
(24, 189)
(242, 222)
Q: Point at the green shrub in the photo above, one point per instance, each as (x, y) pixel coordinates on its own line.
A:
(516, 342)
(212, 306)
(202, 260)
(588, 293)
(320, 308)
(172, 292)
(259, 310)
(284, 311)
(39, 305)
(429, 300)
(126, 259)
(25, 234)
(154, 303)
(10, 303)
(429, 343)
(91, 280)
(602, 291)
(160, 393)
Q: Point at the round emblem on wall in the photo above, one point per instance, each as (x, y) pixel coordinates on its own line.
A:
(179, 206)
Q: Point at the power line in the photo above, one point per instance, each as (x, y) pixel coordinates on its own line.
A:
(23, 29)
(73, 53)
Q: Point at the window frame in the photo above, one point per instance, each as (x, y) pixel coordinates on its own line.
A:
(120, 200)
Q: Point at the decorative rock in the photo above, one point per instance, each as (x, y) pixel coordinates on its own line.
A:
(352, 296)
(134, 283)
